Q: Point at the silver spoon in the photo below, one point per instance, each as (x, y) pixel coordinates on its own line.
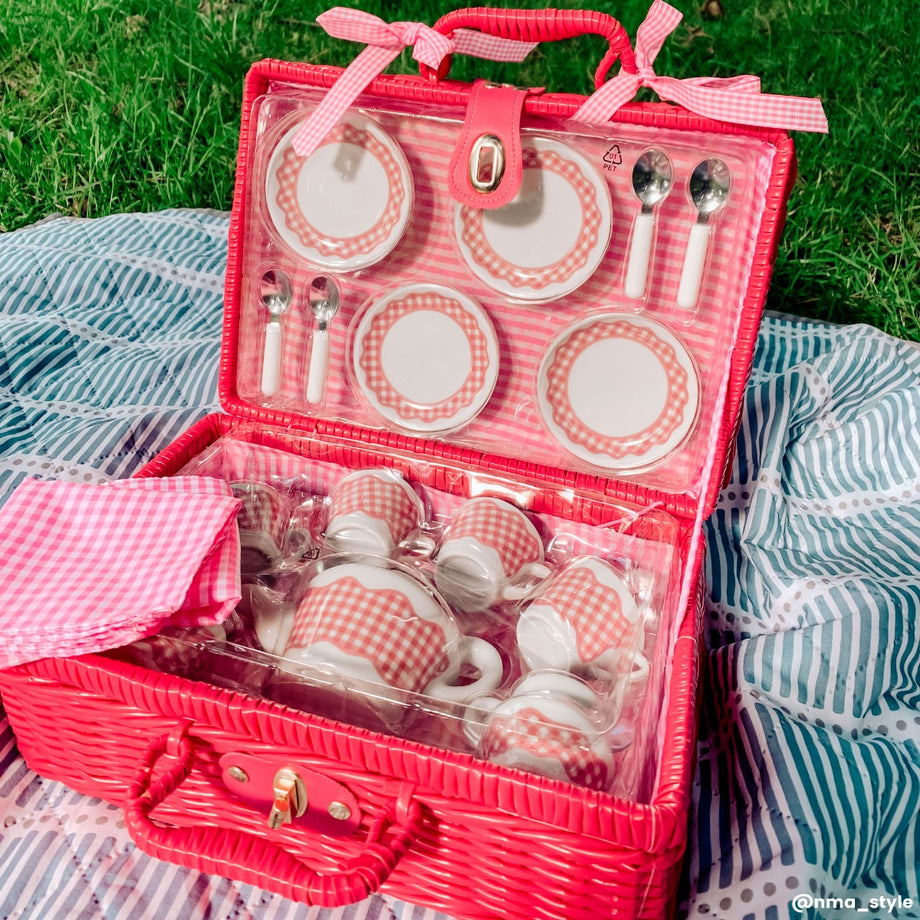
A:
(709, 186)
(324, 302)
(275, 291)
(651, 179)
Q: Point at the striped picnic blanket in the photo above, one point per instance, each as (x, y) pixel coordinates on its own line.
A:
(808, 785)
(807, 793)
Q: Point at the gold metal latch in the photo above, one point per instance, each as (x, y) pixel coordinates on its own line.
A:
(291, 793)
(290, 798)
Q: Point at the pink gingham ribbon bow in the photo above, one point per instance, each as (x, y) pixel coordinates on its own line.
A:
(733, 99)
(385, 40)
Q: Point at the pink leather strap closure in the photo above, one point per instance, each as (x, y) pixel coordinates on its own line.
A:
(486, 168)
(384, 41)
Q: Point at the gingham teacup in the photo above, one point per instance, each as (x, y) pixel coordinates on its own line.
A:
(490, 553)
(374, 512)
(385, 626)
(584, 619)
(547, 726)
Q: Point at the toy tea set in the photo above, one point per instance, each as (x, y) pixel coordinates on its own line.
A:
(505, 284)
(464, 623)
(483, 358)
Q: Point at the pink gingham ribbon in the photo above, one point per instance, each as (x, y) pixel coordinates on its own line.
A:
(732, 99)
(385, 40)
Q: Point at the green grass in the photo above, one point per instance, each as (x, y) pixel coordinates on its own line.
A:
(133, 105)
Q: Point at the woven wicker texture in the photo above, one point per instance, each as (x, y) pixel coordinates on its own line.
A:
(491, 842)
(540, 26)
(488, 838)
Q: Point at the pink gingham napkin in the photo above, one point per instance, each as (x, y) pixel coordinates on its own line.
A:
(89, 567)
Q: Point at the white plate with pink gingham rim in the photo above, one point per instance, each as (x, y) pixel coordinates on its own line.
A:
(549, 239)
(347, 204)
(425, 357)
(619, 391)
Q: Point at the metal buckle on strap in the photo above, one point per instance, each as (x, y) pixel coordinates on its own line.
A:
(487, 163)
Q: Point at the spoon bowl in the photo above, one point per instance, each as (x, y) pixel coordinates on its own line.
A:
(709, 187)
(324, 298)
(652, 178)
(710, 184)
(275, 292)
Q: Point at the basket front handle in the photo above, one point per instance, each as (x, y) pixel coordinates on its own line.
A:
(250, 858)
(539, 26)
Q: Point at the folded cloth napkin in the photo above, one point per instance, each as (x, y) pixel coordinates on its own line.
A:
(89, 567)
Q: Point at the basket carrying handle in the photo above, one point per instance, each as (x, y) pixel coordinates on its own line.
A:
(539, 26)
(250, 858)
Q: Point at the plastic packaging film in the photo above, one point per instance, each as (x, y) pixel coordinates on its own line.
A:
(444, 616)
(447, 314)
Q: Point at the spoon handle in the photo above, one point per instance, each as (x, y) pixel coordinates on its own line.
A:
(271, 359)
(640, 249)
(691, 275)
(319, 354)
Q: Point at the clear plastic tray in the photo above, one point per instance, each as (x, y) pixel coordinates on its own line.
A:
(442, 330)
(308, 595)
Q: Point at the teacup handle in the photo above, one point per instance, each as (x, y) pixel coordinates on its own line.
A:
(528, 578)
(273, 627)
(638, 671)
(484, 657)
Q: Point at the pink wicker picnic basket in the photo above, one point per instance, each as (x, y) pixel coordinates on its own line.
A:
(431, 826)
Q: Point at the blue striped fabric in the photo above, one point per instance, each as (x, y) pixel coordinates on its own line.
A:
(808, 780)
(109, 336)
(808, 787)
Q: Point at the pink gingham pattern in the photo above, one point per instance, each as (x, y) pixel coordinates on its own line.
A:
(565, 416)
(655, 556)
(593, 609)
(501, 526)
(378, 624)
(530, 730)
(382, 497)
(384, 43)
(560, 271)
(288, 199)
(732, 99)
(372, 347)
(215, 589)
(90, 567)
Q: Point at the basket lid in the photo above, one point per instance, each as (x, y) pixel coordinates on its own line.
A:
(512, 339)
